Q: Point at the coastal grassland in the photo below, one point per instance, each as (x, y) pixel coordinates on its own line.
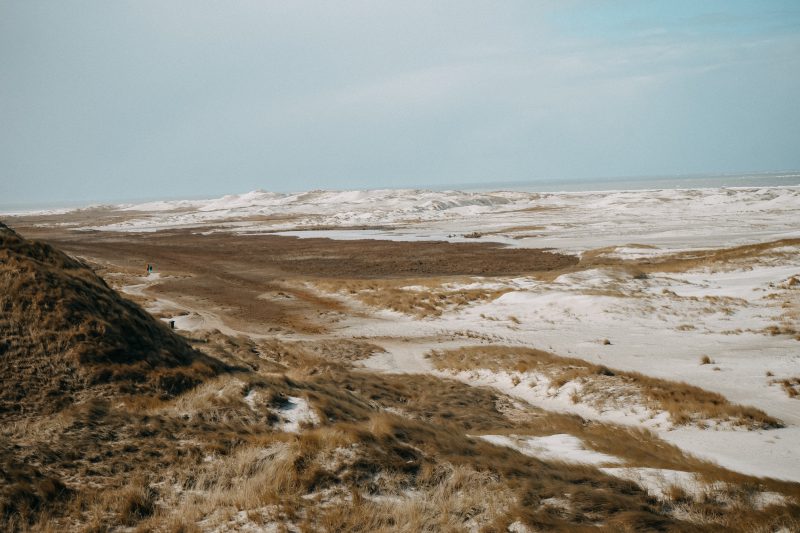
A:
(415, 297)
(290, 435)
(263, 283)
(604, 387)
(386, 453)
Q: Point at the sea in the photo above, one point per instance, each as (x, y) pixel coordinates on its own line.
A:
(704, 181)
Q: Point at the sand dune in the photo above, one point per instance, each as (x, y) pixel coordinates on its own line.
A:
(431, 360)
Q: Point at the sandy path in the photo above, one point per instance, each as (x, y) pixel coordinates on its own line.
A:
(186, 317)
(407, 356)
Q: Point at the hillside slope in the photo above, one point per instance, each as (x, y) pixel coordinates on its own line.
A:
(64, 331)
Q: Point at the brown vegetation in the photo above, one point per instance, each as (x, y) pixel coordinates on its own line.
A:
(783, 329)
(790, 385)
(319, 258)
(683, 261)
(419, 298)
(391, 453)
(64, 332)
(258, 283)
(604, 387)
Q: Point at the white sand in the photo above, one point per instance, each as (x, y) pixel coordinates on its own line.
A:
(660, 326)
(561, 447)
(668, 219)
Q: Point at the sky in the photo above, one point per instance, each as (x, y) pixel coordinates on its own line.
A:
(109, 100)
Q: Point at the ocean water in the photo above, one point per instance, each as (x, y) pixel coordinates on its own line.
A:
(766, 179)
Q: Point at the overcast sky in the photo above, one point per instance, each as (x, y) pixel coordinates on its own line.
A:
(104, 100)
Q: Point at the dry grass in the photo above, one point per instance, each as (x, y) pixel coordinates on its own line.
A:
(281, 257)
(457, 409)
(448, 498)
(718, 259)
(604, 387)
(240, 278)
(65, 332)
(737, 257)
(782, 329)
(418, 298)
(319, 354)
(136, 502)
(392, 453)
(790, 385)
(514, 229)
(460, 408)
(277, 355)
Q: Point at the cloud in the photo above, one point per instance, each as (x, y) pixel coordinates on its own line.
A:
(431, 86)
(200, 96)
